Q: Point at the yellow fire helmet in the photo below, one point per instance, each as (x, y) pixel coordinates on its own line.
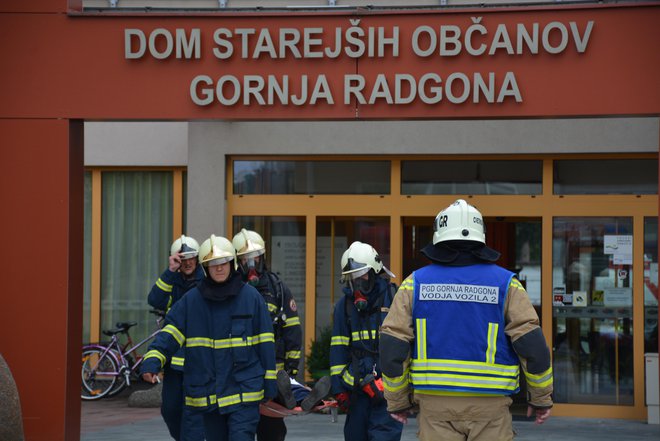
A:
(248, 244)
(216, 250)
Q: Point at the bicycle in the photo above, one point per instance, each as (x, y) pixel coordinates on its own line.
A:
(107, 367)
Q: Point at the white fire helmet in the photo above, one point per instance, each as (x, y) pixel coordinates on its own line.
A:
(216, 250)
(459, 221)
(186, 245)
(248, 244)
(358, 259)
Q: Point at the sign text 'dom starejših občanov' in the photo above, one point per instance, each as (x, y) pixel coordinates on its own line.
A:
(355, 42)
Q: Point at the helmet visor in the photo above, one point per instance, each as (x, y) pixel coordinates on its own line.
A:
(353, 270)
(250, 255)
(187, 252)
(219, 261)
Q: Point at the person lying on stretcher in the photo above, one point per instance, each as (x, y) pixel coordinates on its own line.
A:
(294, 398)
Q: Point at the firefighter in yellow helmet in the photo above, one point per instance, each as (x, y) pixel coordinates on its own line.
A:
(180, 276)
(456, 336)
(226, 330)
(251, 255)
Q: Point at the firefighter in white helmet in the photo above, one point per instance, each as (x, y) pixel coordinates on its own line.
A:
(181, 275)
(354, 366)
(456, 336)
(226, 330)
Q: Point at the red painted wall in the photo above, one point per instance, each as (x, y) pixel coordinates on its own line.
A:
(42, 224)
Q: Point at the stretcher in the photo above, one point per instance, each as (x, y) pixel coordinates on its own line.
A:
(276, 410)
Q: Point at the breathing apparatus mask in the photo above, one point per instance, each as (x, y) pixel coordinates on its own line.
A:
(361, 282)
(252, 266)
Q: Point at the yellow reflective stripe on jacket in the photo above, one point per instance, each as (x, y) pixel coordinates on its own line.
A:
(540, 380)
(155, 354)
(336, 369)
(420, 325)
(365, 335)
(516, 284)
(438, 379)
(395, 384)
(348, 378)
(229, 343)
(270, 375)
(291, 321)
(492, 342)
(279, 366)
(252, 396)
(246, 397)
(178, 361)
(339, 340)
(447, 393)
(292, 354)
(201, 402)
(226, 343)
(162, 285)
(476, 367)
(408, 284)
(178, 336)
(266, 337)
(459, 373)
(272, 307)
(199, 342)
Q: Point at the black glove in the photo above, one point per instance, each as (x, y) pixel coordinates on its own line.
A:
(291, 368)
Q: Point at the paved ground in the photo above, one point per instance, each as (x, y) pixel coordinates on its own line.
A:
(112, 420)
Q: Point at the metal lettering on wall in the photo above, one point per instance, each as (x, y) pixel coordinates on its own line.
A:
(440, 42)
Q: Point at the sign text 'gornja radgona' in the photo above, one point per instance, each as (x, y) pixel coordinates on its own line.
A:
(297, 88)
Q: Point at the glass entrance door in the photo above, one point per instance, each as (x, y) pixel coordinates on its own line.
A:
(592, 310)
(333, 237)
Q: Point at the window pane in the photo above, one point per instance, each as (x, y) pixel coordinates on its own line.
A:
(592, 310)
(87, 263)
(311, 177)
(471, 177)
(136, 238)
(606, 176)
(528, 259)
(651, 284)
(374, 231)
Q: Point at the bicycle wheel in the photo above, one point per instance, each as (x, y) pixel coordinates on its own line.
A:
(99, 373)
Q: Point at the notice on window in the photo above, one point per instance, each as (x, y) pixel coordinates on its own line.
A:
(558, 295)
(617, 297)
(580, 298)
(288, 261)
(620, 247)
